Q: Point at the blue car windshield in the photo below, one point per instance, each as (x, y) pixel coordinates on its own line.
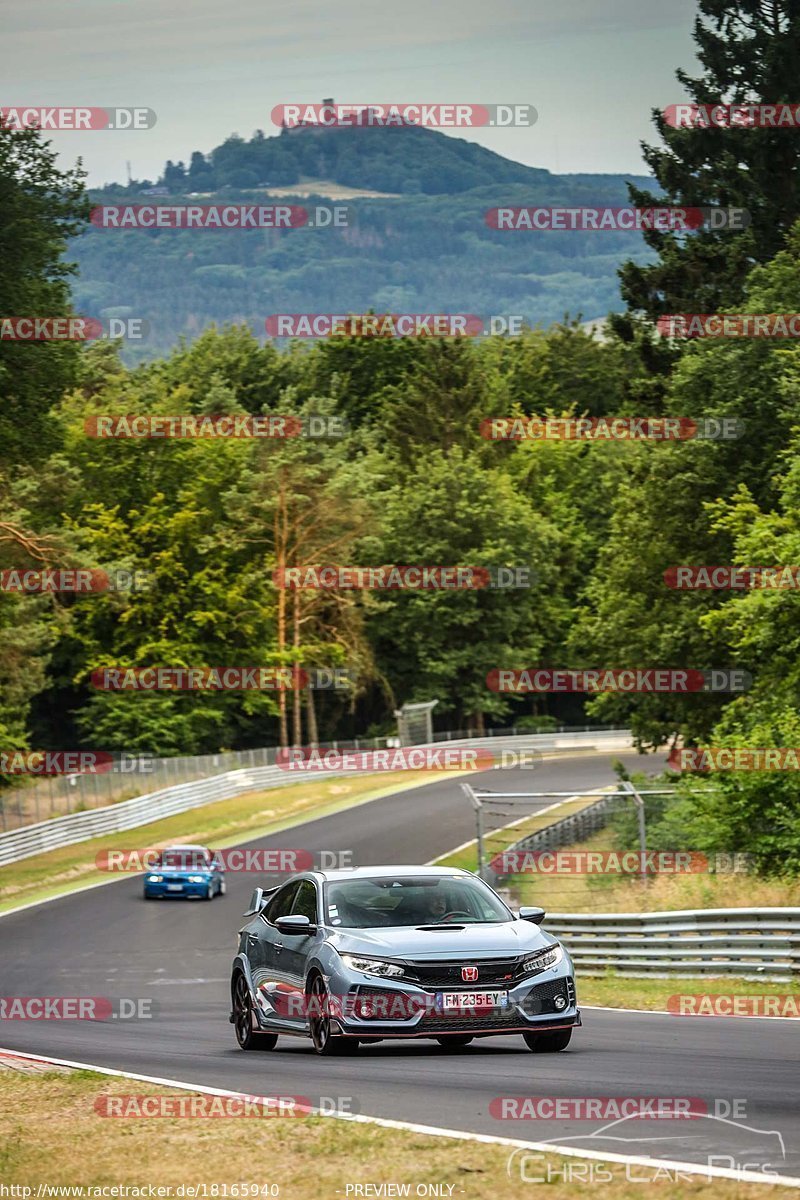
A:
(183, 860)
(411, 901)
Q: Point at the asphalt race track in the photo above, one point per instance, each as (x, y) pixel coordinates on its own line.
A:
(109, 942)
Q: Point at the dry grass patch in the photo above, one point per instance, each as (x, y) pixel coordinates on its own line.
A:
(50, 1133)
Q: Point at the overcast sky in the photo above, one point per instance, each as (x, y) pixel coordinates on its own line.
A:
(592, 70)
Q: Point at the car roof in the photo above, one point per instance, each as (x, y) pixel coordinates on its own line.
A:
(387, 872)
(184, 846)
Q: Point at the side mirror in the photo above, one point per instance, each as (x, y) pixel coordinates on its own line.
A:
(256, 902)
(296, 925)
(531, 913)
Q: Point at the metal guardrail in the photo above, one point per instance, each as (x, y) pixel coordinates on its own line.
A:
(141, 774)
(758, 942)
(571, 829)
(142, 810)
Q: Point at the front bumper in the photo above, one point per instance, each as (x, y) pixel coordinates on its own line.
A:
(376, 1008)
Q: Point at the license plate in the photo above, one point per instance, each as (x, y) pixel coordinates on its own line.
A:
(174, 887)
(470, 1001)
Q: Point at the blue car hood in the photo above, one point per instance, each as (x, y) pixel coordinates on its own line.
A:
(509, 937)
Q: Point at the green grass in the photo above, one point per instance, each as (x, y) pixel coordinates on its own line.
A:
(225, 823)
(617, 991)
(51, 1133)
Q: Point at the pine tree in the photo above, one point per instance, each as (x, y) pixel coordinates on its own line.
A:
(750, 52)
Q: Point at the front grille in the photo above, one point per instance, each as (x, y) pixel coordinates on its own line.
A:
(499, 971)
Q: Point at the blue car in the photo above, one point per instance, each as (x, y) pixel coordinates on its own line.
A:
(185, 871)
(355, 956)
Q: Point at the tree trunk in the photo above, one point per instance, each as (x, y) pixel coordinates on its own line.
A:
(297, 693)
(311, 717)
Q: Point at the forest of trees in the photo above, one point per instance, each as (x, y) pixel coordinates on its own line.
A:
(413, 481)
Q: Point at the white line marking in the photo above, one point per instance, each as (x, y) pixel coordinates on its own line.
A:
(520, 820)
(434, 1131)
(664, 1012)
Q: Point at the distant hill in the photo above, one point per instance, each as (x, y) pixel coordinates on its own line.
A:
(408, 160)
(427, 250)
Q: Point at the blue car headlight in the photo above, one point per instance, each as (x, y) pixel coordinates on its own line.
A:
(198, 879)
(549, 957)
(155, 878)
(373, 966)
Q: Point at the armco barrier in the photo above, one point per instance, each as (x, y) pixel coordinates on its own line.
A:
(758, 942)
(140, 774)
(128, 814)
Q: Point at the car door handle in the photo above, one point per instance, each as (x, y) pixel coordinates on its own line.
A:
(278, 947)
(252, 937)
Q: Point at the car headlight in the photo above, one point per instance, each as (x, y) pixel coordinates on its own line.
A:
(540, 961)
(155, 878)
(197, 879)
(372, 966)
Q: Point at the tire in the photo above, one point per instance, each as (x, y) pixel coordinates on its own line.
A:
(246, 1036)
(222, 888)
(325, 1042)
(209, 892)
(548, 1043)
(456, 1042)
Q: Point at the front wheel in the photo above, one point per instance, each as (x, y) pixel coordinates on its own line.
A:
(324, 1040)
(246, 1036)
(548, 1043)
(454, 1043)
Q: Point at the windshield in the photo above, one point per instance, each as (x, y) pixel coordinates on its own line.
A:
(183, 859)
(412, 900)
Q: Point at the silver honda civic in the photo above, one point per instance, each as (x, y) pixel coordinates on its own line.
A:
(351, 957)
